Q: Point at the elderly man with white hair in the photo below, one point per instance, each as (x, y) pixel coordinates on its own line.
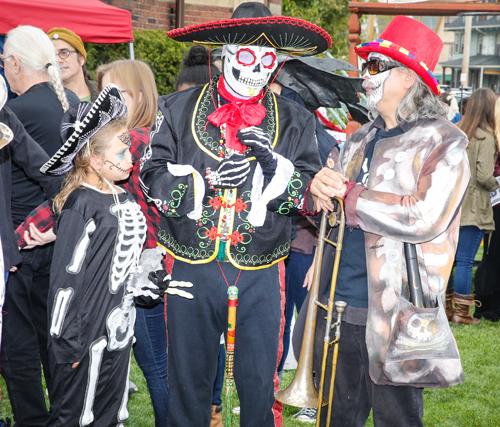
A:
(31, 69)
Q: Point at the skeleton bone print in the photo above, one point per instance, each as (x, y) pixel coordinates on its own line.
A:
(92, 306)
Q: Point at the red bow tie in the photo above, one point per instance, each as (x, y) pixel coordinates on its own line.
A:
(237, 114)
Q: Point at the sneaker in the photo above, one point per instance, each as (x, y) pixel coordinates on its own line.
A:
(307, 415)
(132, 388)
(236, 410)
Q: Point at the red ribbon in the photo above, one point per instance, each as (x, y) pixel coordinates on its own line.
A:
(237, 114)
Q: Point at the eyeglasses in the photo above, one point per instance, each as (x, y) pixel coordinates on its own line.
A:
(3, 59)
(376, 65)
(64, 53)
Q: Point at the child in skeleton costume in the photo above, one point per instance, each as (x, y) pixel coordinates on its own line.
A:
(227, 165)
(100, 233)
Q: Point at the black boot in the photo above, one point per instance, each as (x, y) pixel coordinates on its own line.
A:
(484, 307)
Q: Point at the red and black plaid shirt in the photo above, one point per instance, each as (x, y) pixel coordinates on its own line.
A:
(42, 217)
(139, 139)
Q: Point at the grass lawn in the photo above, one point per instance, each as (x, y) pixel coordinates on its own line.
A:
(474, 403)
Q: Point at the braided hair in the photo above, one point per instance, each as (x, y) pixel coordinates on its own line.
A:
(38, 56)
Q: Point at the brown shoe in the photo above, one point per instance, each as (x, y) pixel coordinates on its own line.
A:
(449, 305)
(216, 416)
(462, 314)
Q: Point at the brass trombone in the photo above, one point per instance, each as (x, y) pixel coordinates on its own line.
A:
(302, 392)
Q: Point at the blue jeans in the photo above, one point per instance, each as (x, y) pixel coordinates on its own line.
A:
(297, 265)
(469, 240)
(150, 352)
(219, 381)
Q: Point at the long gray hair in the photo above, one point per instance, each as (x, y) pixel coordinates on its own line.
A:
(418, 103)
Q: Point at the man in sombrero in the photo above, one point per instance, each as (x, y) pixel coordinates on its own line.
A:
(227, 166)
(402, 177)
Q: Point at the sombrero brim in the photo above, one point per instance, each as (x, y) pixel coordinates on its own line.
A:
(284, 33)
(80, 123)
(400, 54)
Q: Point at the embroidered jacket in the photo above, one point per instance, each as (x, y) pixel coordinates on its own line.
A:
(249, 226)
(414, 191)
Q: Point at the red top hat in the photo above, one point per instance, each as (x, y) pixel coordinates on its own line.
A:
(410, 42)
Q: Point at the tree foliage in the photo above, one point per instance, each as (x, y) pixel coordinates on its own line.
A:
(331, 15)
(161, 53)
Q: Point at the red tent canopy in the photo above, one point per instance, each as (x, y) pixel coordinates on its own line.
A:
(92, 20)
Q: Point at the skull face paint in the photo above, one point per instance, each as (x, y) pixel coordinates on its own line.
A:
(374, 85)
(248, 68)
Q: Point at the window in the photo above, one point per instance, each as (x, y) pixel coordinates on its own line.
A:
(480, 38)
(497, 44)
(482, 17)
(459, 42)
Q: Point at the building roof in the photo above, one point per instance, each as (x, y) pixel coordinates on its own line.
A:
(477, 61)
(492, 21)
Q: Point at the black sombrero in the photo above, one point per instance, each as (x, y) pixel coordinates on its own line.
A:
(253, 24)
(80, 123)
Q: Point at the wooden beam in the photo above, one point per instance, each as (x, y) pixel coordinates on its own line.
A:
(422, 9)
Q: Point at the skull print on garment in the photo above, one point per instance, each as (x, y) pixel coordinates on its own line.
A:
(247, 68)
(100, 238)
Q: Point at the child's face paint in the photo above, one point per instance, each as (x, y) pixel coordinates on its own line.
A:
(117, 162)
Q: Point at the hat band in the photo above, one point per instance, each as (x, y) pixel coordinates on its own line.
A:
(394, 46)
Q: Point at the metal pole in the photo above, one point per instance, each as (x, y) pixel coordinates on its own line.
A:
(464, 78)
(131, 50)
(179, 14)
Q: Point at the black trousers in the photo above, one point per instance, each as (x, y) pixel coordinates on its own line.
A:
(70, 387)
(194, 328)
(355, 394)
(24, 341)
(487, 279)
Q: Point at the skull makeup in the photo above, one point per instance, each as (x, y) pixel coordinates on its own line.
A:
(375, 84)
(248, 68)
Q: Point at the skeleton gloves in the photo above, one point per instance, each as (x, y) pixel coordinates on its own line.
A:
(151, 294)
(231, 172)
(262, 149)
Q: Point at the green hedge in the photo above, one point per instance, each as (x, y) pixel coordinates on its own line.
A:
(163, 55)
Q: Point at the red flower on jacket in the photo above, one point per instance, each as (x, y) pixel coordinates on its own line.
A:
(212, 233)
(216, 203)
(239, 205)
(235, 237)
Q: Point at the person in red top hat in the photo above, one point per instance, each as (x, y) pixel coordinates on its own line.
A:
(402, 178)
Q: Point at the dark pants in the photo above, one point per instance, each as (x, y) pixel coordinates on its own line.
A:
(70, 387)
(355, 394)
(150, 352)
(487, 279)
(296, 267)
(194, 329)
(219, 381)
(24, 341)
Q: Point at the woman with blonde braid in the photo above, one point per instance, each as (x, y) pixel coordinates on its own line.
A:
(30, 66)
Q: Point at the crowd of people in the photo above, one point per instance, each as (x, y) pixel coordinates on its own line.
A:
(182, 227)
